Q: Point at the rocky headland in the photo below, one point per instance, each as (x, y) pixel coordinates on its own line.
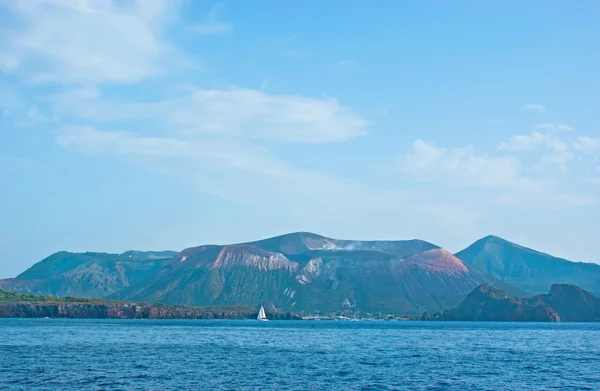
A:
(564, 303)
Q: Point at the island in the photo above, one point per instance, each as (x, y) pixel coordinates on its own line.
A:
(563, 303)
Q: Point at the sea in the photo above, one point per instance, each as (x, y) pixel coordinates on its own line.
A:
(78, 354)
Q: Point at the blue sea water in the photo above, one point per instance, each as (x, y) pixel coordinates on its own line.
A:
(75, 354)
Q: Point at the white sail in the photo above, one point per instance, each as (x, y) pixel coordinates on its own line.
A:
(261, 314)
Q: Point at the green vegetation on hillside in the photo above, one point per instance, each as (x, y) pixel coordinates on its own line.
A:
(14, 297)
(89, 274)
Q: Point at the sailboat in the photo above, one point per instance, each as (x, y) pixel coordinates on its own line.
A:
(261, 315)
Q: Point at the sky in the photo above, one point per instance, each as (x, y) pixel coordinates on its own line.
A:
(167, 124)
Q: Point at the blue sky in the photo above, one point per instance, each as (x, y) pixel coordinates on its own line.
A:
(168, 124)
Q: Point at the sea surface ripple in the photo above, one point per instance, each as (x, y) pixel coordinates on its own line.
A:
(77, 354)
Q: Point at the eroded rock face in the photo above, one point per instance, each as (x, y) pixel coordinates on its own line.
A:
(252, 256)
(311, 271)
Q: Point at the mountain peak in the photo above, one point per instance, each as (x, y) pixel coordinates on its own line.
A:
(568, 288)
(495, 239)
(527, 269)
(297, 235)
(295, 243)
(488, 290)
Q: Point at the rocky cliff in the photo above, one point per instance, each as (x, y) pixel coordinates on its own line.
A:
(566, 303)
(487, 303)
(14, 305)
(118, 311)
(572, 303)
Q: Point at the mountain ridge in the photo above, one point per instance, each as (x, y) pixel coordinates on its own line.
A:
(89, 274)
(298, 271)
(305, 271)
(528, 269)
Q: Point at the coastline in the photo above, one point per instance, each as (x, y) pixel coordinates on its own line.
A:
(129, 311)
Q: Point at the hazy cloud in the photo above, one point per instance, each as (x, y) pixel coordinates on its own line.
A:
(36, 116)
(561, 127)
(87, 41)
(559, 160)
(89, 140)
(460, 166)
(8, 62)
(246, 173)
(530, 142)
(588, 145)
(212, 26)
(237, 112)
(538, 108)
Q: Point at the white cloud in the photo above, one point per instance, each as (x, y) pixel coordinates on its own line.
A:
(212, 26)
(237, 112)
(88, 41)
(561, 127)
(558, 160)
(588, 145)
(189, 155)
(538, 108)
(89, 140)
(460, 166)
(554, 151)
(530, 142)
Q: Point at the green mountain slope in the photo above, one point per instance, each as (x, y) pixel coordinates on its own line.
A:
(87, 274)
(527, 269)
